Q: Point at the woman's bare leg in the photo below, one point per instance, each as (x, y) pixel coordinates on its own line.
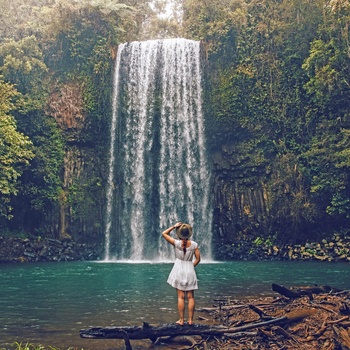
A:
(191, 305)
(181, 306)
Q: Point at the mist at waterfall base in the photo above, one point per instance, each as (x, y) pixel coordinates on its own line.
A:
(158, 168)
(48, 303)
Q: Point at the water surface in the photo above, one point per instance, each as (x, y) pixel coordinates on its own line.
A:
(48, 303)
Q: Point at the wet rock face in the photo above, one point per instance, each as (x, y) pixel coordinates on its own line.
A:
(24, 250)
(240, 195)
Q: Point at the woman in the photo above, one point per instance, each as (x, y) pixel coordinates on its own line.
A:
(183, 276)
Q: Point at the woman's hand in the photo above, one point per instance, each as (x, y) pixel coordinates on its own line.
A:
(166, 233)
(178, 224)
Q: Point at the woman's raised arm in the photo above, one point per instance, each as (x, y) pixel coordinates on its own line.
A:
(166, 233)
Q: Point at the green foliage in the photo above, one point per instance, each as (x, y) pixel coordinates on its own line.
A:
(251, 89)
(29, 346)
(276, 100)
(40, 184)
(43, 181)
(328, 86)
(279, 80)
(22, 64)
(261, 243)
(217, 23)
(16, 149)
(329, 168)
(20, 18)
(78, 48)
(265, 242)
(82, 196)
(81, 37)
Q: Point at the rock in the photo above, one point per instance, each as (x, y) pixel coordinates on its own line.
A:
(307, 255)
(54, 240)
(321, 258)
(342, 257)
(31, 255)
(18, 250)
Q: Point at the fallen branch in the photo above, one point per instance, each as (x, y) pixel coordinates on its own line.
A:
(282, 331)
(154, 332)
(345, 318)
(240, 335)
(151, 332)
(222, 307)
(302, 291)
(257, 310)
(324, 308)
(343, 337)
(285, 291)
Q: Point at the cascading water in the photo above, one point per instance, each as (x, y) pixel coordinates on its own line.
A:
(158, 170)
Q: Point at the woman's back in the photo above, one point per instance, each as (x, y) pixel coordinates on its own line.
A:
(179, 252)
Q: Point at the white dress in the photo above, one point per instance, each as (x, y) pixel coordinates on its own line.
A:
(183, 276)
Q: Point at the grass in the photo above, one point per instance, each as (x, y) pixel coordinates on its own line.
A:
(28, 346)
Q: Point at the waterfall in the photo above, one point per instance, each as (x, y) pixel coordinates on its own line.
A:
(158, 168)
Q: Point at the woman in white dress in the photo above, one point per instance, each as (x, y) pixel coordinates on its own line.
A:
(183, 275)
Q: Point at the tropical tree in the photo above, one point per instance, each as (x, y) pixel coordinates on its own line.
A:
(20, 19)
(16, 150)
(328, 70)
(21, 63)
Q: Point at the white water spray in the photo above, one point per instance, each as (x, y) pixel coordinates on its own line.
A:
(158, 170)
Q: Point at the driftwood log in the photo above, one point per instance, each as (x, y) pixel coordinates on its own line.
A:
(153, 332)
(147, 331)
(297, 292)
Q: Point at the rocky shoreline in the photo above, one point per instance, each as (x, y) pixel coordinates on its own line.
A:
(14, 249)
(335, 249)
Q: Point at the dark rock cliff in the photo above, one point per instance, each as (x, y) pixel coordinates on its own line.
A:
(240, 196)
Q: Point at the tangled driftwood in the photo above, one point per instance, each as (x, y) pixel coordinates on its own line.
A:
(301, 318)
(325, 327)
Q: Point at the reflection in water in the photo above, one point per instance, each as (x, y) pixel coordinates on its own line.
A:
(48, 303)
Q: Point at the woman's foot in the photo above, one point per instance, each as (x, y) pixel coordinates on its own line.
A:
(180, 322)
(190, 322)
